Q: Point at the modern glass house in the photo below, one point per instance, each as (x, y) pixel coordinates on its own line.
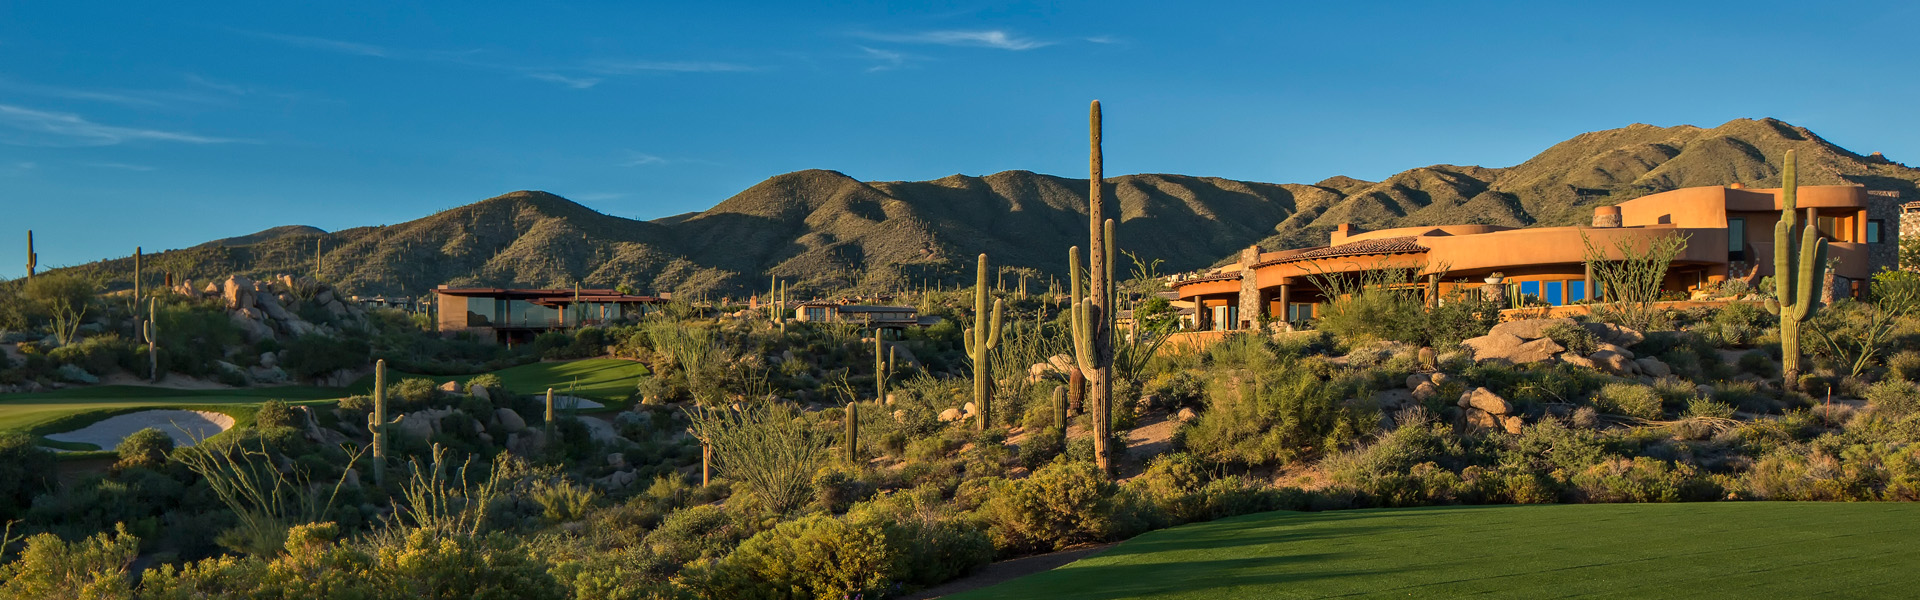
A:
(517, 315)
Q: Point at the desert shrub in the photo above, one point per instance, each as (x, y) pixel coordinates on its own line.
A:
(486, 380)
(835, 489)
(1041, 446)
(1178, 389)
(53, 569)
(313, 354)
(146, 448)
(563, 501)
(1172, 482)
(1062, 504)
(1629, 399)
(1573, 337)
(1894, 398)
(1642, 479)
(811, 557)
(695, 533)
(1744, 395)
(99, 355)
(26, 470)
(1706, 408)
(412, 393)
(273, 413)
(1409, 466)
(1273, 415)
(76, 374)
(1758, 364)
(1739, 323)
(930, 449)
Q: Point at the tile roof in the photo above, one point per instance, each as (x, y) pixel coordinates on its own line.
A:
(1392, 245)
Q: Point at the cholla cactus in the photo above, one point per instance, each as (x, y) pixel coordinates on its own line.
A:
(982, 338)
(1797, 298)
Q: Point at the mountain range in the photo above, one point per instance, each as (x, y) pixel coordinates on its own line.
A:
(826, 231)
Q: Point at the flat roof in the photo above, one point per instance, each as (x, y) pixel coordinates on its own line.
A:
(548, 295)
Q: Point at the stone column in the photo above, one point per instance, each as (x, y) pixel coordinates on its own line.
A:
(1249, 297)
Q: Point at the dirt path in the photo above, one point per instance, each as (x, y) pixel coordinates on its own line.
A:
(1008, 570)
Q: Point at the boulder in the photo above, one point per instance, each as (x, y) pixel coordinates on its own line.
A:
(1652, 367)
(264, 374)
(510, 421)
(1529, 329)
(480, 391)
(1614, 349)
(1061, 362)
(969, 409)
(1439, 379)
(1493, 345)
(616, 480)
(1417, 379)
(335, 309)
(1615, 334)
(272, 307)
(413, 426)
(1186, 415)
(1613, 362)
(950, 415)
(237, 291)
(616, 460)
(1512, 424)
(1542, 349)
(1479, 419)
(1575, 359)
(451, 387)
(601, 430)
(324, 297)
(1484, 400)
(1425, 391)
(269, 359)
(1394, 399)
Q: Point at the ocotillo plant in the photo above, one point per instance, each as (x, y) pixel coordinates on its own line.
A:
(33, 260)
(1092, 316)
(1794, 284)
(981, 339)
(378, 424)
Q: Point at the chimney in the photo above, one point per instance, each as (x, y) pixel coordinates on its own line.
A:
(1341, 232)
(1250, 255)
(1736, 186)
(1606, 216)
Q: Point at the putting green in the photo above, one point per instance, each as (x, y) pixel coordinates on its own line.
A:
(1700, 550)
(603, 379)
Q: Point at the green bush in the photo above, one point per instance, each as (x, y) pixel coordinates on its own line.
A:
(562, 502)
(1272, 415)
(313, 355)
(1062, 504)
(1572, 337)
(273, 413)
(146, 448)
(810, 557)
(1758, 364)
(26, 470)
(52, 569)
(1629, 399)
(99, 355)
(412, 393)
(695, 533)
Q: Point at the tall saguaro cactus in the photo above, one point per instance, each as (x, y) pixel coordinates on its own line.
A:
(550, 417)
(1060, 413)
(153, 344)
(378, 424)
(852, 443)
(33, 260)
(882, 367)
(1794, 284)
(982, 338)
(1092, 316)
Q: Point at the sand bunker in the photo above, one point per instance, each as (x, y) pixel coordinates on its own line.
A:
(574, 403)
(184, 426)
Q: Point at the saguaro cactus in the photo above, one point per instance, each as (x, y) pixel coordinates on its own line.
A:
(33, 260)
(1093, 315)
(981, 338)
(550, 416)
(378, 424)
(852, 448)
(1794, 284)
(153, 344)
(1060, 412)
(882, 367)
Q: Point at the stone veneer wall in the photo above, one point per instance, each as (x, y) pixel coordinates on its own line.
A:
(1249, 289)
(1884, 206)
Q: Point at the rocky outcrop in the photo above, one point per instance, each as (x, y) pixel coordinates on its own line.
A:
(1486, 410)
(272, 309)
(1525, 341)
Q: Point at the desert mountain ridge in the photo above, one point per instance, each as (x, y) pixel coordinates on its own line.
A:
(827, 231)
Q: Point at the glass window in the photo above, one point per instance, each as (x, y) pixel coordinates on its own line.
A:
(1553, 293)
(1530, 288)
(1576, 290)
(1873, 231)
(1736, 235)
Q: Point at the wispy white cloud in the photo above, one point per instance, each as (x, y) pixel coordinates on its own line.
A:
(638, 159)
(885, 60)
(116, 165)
(1103, 39)
(985, 38)
(577, 76)
(319, 43)
(42, 128)
(620, 67)
(133, 98)
(578, 83)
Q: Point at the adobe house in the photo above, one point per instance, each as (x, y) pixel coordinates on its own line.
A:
(1729, 232)
(884, 317)
(517, 315)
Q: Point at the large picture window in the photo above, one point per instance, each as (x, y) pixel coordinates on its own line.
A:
(1736, 239)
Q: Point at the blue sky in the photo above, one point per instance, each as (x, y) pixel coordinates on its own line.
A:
(169, 124)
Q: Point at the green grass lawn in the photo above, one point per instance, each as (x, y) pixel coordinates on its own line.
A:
(605, 380)
(1700, 550)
